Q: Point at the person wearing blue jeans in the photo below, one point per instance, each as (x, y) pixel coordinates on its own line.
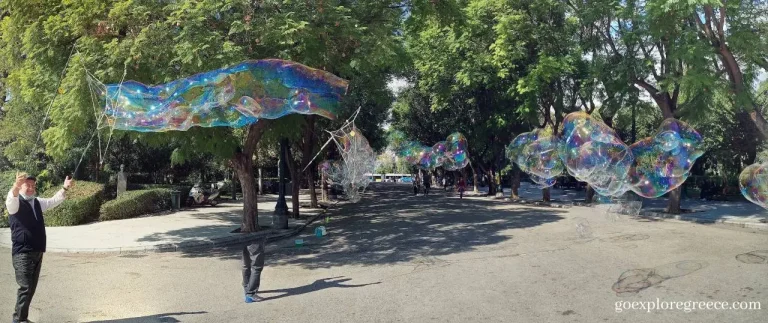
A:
(253, 264)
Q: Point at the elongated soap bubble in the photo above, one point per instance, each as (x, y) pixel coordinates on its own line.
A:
(234, 96)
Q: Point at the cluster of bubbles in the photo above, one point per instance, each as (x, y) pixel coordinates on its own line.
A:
(592, 152)
(358, 161)
(753, 182)
(451, 154)
(229, 97)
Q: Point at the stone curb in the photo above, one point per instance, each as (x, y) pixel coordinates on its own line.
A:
(224, 241)
(682, 217)
(539, 203)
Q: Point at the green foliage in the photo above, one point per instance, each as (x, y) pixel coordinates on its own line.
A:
(133, 204)
(81, 206)
(6, 182)
(7, 179)
(158, 41)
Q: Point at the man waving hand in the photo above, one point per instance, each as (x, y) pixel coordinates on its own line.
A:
(28, 236)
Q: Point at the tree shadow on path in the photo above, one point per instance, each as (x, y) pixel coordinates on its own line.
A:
(320, 284)
(390, 225)
(158, 318)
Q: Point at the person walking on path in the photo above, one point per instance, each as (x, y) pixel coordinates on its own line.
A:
(416, 185)
(462, 187)
(427, 183)
(28, 238)
(253, 264)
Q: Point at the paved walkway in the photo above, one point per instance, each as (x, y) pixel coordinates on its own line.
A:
(742, 214)
(395, 257)
(186, 229)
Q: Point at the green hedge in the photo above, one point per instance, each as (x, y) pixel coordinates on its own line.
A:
(132, 204)
(81, 206)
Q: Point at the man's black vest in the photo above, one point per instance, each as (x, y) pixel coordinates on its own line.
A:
(27, 227)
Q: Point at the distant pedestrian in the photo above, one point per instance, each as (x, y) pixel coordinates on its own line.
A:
(427, 183)
(462, 187)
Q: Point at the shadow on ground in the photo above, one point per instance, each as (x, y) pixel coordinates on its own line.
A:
(229, 221)
(320, 284)
(390, 225)
(158, 318)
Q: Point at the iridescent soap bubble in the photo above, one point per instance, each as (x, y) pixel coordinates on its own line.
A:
(456, 152)
(229, 97)
(358, 160)
(450, 154)
(753, 182)
(541, 182)
(663, 162)
(593, 153)
(536, 153)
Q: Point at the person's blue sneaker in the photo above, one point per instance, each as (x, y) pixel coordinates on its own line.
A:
(253, 299)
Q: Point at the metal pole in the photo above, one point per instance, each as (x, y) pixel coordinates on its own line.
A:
(281, 208)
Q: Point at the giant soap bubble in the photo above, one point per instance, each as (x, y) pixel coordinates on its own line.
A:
(450, 154)
(231, 97)
(359, 160)
(663, 162)
(593, 153)
(753, 182)
(536, 153)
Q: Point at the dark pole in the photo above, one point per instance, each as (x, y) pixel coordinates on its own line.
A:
(281, 208)
(634, 130)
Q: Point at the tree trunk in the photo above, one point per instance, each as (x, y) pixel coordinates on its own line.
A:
(244, 169)
(324, 186)
(295, 182)
(311, 184)
(261, 183)
(243, 164)
(516, 184)
(474, 178)
(546, 194)
(234, 187)
(491, 182)
(590, 194)
(308, 146)
(674, 201)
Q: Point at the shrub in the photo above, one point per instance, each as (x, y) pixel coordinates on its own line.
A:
(132, 204)
(183, 190)
(81, 206)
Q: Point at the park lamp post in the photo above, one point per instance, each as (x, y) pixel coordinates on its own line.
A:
(280, 217)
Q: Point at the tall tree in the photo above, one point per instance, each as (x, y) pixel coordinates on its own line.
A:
(737, 32)
(655, 50)
(158, 41)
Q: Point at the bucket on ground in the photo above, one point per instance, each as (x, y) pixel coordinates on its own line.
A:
(320, 231)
